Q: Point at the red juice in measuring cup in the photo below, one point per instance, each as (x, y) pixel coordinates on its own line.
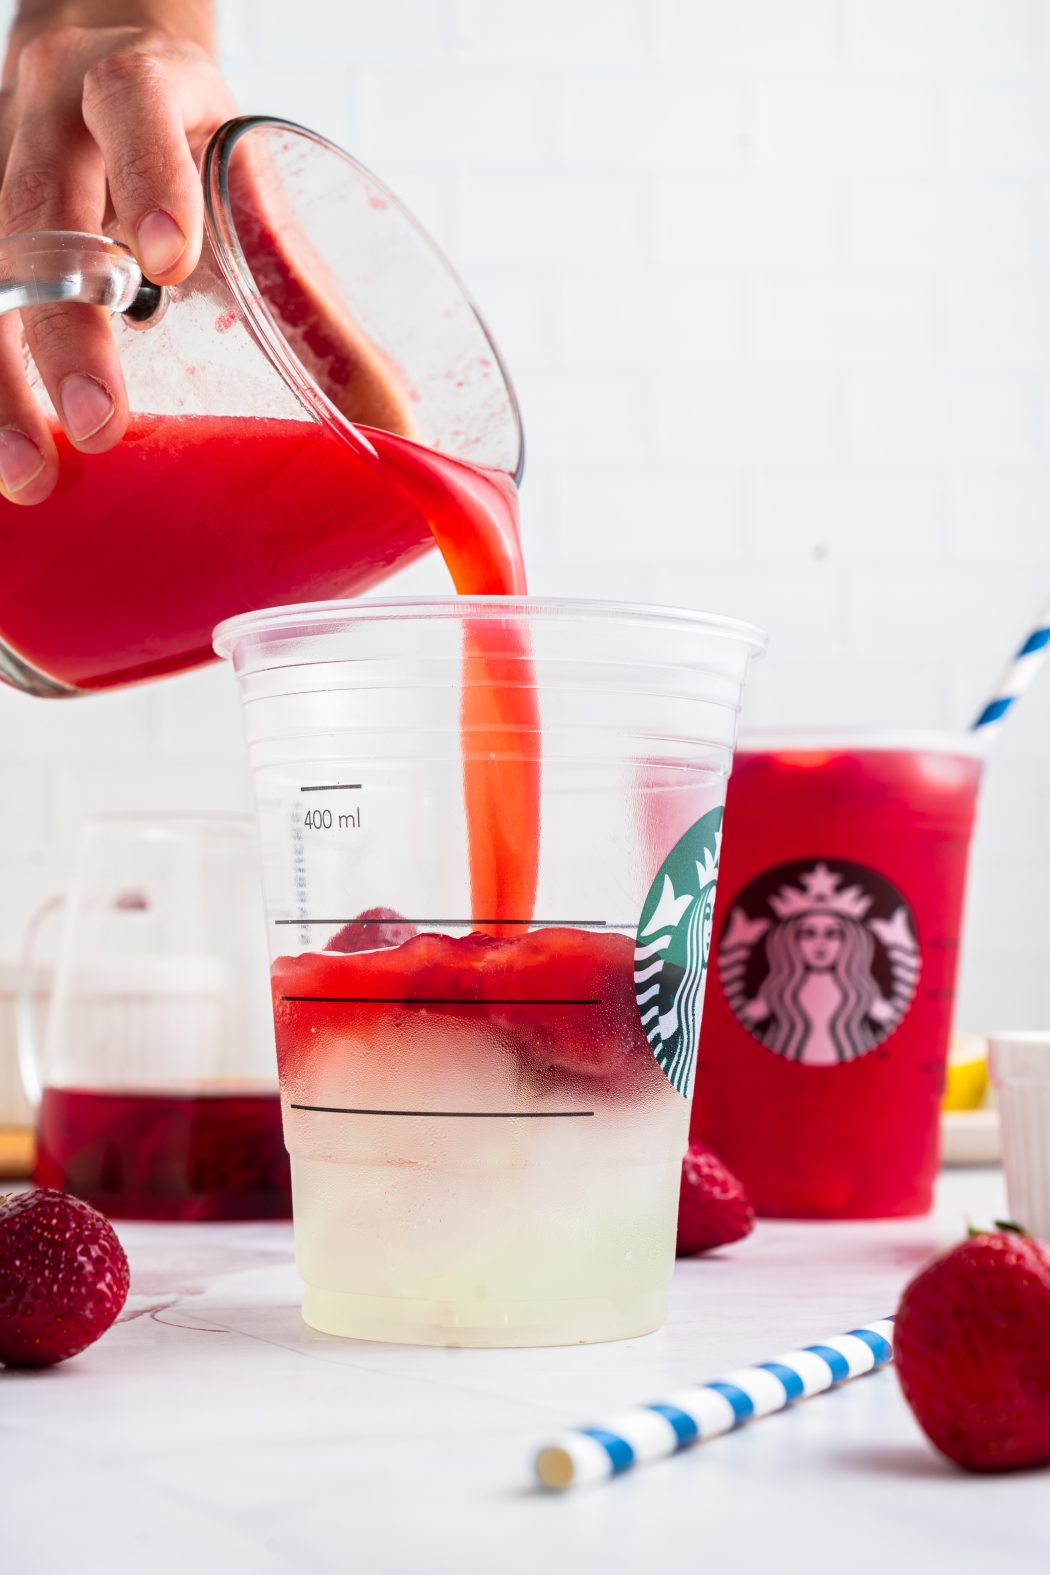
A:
(124, 571)
(826, 1024)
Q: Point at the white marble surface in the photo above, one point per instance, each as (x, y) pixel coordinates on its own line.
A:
(210, 1431)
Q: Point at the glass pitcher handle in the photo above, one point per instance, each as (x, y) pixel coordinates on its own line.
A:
(45, 266)
(26, 1037)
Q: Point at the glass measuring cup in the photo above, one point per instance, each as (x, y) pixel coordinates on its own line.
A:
(486, 1113)
(320, 318)
(153, 1081)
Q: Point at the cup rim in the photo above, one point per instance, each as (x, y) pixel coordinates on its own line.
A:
(821, 740)
(1020, 1059)
(317, 616)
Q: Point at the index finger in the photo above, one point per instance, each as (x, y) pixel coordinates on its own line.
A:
(134, 111)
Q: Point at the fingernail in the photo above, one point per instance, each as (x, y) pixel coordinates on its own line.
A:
(86, 406)
(160, 243)
(20, 460)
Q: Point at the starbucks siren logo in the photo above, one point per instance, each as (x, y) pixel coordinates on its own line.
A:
(672, 950)
(819, 960)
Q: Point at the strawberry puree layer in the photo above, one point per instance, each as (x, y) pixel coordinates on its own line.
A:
(557, 1002)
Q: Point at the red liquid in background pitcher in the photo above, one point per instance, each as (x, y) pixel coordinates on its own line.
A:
(826, 1022)
(157, 1156)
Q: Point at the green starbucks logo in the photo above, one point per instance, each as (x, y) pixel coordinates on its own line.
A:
(672, 949)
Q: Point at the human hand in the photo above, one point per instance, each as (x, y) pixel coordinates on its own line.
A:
(97, 122)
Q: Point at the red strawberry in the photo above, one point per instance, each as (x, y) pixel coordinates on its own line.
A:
(598, 1042)
(972, 1353)
(373, 928)
(63, 1277)
(713, 1208)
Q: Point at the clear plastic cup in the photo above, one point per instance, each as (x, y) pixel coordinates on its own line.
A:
(486, 1112)
(1020, 1069)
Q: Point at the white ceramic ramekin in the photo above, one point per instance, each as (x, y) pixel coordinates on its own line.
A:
(1020, 1068)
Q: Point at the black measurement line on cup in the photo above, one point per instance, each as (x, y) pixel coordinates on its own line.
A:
(333, 787)
(470, 924)
(438, 1000)
(459, 1115)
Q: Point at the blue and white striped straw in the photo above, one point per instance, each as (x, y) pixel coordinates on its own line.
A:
(584, 1455)
(1017, 677)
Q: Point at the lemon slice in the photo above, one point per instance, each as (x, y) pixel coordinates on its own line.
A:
(966, 1081)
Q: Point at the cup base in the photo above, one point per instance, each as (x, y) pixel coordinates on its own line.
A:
(394, 1320)
(867, 1210)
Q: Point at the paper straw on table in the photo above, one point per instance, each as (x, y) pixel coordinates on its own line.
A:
(584, 1455)
(1030, 656)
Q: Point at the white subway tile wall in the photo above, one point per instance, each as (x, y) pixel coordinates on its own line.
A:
(774, 280)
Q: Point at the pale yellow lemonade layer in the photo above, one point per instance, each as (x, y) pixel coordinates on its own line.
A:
(549, 1222)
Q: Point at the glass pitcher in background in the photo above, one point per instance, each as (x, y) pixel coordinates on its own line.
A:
(320, 318)
(154, 1081)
